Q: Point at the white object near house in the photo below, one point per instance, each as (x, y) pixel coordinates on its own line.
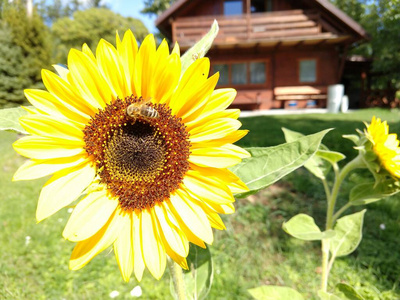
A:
(335, 95)
(344, 107)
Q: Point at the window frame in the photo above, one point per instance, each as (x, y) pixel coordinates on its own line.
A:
(248, 73)
(316, 70)
(223, 7)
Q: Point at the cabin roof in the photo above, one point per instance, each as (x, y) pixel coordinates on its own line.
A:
(162, 22)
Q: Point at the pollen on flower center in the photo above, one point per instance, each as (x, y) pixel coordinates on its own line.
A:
(140, 159)
(135, 153)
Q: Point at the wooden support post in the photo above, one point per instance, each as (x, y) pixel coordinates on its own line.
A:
(248, 16)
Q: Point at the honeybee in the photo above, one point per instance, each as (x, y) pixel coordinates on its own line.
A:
(142, 109)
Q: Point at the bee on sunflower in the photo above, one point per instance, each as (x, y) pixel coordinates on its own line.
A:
(147, 185)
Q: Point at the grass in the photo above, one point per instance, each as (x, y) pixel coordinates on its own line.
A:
(253, 250)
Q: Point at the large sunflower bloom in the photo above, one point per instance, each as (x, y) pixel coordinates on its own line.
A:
(385, 146)
(145, 150)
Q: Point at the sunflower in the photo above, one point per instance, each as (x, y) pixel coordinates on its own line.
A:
(385, 146)
(140, 151)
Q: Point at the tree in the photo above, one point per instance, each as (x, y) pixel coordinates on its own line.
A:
(89, 26)
(25, 50)
(380, 18)
(32, 35)
(156, 7)
(12, 79)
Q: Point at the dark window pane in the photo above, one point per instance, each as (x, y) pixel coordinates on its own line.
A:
(223, 74)
(308, 70)
(257, 6)
(257, 72)
(239, 73)
(233, 7)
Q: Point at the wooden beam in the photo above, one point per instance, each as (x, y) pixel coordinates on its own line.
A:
(342, 62)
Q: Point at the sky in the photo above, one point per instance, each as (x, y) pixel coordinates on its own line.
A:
(132, 8)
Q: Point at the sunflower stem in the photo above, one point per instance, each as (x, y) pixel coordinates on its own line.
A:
(177, 278)
(331, 217)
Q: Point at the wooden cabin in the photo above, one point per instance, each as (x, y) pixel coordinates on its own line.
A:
(275, 53)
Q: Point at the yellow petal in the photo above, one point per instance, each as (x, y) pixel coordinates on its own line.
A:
(67, 95)
(153, 249)
(218, 101)
(89, 215)
(228, 139)
(85, 76)
(63, 188)
(196, 98)
(209, 188)
(214, 129)
(112, 69)
(38, 147)
(166, 74)
(88, 51)
(191, 216)
(224, 176)
(84, 251)
(127, 50)
(173, 235)
(194, 77)
(33, 169)
(61, 71)
(228, 113)
(48, 104)
(175, 219)
(48, 126)
(176, 50)
(138, 265)
(144, 67)
(225, 209)
(123, 248)
(218, 157)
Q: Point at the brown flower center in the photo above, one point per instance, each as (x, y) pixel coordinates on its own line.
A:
(141, 153)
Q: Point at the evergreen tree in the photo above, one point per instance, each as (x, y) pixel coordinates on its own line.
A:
(12, 79)
(32, 35)
(25, 50)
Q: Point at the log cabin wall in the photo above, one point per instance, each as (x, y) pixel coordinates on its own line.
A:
(282, 77)
(216, 7)
(273, 52)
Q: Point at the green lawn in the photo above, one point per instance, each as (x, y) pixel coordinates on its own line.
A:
(253, 250)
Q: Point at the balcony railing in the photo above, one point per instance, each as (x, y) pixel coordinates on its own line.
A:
(248, 27)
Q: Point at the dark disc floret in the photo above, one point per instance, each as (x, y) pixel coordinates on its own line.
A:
(142, 158)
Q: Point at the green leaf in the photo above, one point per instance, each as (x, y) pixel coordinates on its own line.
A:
(9, 119)
(317, 166)
(369, 192)
(349, 292)
(199, 277)
(348, 234)
(352, 137)
(200, 48)
(328, 296)
(272, 292)
(332, 156)
(303, 227)
(268, 165)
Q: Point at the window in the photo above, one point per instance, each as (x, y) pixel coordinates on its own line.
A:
(233, 7)
(253, 73)
(257, 72)
(239, 73)
(308, 70)
(223, 70)
(260, 6)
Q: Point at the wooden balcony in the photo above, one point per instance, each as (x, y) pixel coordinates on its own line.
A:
(258, 27)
